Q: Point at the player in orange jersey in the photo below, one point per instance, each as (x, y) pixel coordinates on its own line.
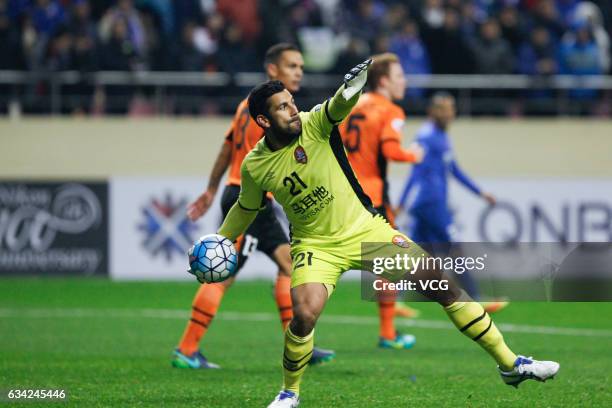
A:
(283, 62)
(372, 136)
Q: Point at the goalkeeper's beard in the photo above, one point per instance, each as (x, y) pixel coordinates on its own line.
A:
(286, 135)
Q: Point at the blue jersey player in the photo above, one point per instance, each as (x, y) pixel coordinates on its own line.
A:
(425, 195)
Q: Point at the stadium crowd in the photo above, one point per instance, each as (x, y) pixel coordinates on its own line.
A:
(535, 37)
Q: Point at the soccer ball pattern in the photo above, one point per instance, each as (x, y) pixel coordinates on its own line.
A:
(213, 258)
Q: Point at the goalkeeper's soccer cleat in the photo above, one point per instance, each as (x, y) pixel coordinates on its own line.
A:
(401, 342)
(196, 360)
(285, 399)
(526, 368)
(320, 356)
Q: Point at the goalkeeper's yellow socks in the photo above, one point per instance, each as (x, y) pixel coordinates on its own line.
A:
(472, 320)
(298, 351)
(205, 305)
(282, 295)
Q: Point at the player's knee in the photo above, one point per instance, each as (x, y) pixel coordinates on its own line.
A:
(304, 320)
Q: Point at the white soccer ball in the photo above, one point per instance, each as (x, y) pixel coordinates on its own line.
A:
(213, 258)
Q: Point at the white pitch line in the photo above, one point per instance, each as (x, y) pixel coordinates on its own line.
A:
(267, 317)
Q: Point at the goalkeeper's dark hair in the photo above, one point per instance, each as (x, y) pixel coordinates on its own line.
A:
(274, 53)
(258, 98)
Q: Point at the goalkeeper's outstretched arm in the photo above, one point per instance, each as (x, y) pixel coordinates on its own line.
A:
(341, 104)
(245, 209)
(236, 222)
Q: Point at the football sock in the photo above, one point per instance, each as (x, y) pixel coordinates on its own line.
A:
(205, 305)
(472, 320)
(282, 294)
(298, 351)
(386, 313)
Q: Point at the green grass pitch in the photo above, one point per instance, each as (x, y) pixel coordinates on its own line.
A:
(109, 344)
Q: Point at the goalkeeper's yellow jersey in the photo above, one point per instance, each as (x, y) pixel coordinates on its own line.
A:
(312, 179)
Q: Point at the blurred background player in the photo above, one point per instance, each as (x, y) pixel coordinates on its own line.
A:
(372, 135)
(283, 62)
(426, 190)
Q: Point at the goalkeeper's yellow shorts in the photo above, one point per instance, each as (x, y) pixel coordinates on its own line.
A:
(324, 262)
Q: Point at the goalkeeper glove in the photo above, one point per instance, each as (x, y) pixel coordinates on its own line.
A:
(355, 80)
(199, 277)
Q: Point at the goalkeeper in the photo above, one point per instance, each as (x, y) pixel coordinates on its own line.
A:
(301, 160)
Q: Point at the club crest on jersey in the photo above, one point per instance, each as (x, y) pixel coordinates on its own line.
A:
(300, 155)
(400, 241)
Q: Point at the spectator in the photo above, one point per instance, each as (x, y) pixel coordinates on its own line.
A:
(84, 36)
(197, 44)
(158, 56)
(579, 55)
(47, 15)
(356, 51)
(164, 11)
(471, 18)
(234, 54)
(33, 44)
(242, 15)
(60, 57)
(364, 20)
(410, 50)
(395, 17)
(317, 42)
(537, 57)
(81, 22)
(531, 37)
(412, 54)
(493, 54)
(10, 50)
(18, 8)
(382, 43)
(545, 14)
(566, 9)
(591, 14)
(449, 52)
(185, 12)
(511, 27)
(119, 53)
(191, 58)
(433, 14)
(135, 32)
(274, 26)
(305, 13)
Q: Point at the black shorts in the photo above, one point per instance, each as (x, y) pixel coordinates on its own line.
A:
(265, 234)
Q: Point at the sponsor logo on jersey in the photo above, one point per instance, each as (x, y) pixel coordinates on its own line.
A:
(400, 241)
(300, 155)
